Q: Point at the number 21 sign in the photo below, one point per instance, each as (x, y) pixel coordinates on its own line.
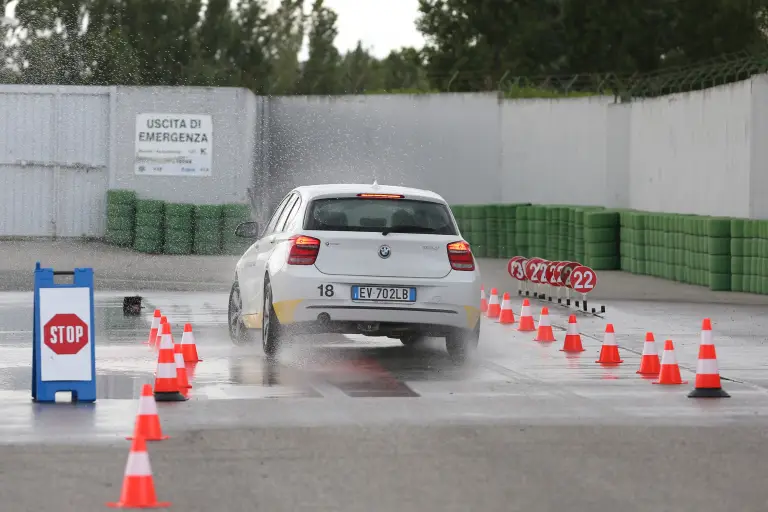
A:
(582, 279)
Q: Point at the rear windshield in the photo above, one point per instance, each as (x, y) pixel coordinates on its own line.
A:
(379, 215)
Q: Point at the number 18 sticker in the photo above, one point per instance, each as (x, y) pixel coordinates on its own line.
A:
(583, 279)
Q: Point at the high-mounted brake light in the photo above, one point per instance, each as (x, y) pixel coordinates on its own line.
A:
(304, 250)
(460, 256)
(381, 196)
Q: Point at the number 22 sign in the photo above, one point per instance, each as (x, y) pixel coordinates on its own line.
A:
(582, 279)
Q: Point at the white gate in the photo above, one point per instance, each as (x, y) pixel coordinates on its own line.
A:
(54, 154)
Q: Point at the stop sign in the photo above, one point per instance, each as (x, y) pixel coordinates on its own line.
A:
(65, 334)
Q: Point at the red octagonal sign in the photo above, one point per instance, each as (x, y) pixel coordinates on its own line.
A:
(65, 334)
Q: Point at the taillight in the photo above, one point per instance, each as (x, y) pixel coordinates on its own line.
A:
(460, 256)
(304, 250)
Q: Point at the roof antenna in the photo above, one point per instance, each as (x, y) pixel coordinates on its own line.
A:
(375, 183)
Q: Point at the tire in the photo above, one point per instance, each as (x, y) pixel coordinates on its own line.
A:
(412, 340)
(238, 332)
(462, 344)
(270, 326)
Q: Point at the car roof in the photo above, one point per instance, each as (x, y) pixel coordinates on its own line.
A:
(352, 189)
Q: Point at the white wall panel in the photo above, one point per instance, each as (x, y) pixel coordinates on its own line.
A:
(690, 153)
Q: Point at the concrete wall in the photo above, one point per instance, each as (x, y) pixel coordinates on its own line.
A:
(234, 115)
(701, 152)
(690, 153)
(61, 148)
(448, 143)
(554, 151)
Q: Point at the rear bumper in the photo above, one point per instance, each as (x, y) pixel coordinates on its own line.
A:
(378, 319)
(442, 304)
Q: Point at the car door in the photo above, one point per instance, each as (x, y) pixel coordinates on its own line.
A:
(250, 271)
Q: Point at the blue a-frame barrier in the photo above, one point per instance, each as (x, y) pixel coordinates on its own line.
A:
(45, 391)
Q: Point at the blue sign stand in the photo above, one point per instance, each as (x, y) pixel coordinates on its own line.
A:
(45, 391)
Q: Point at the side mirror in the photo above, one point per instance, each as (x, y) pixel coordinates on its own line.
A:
(247, 230)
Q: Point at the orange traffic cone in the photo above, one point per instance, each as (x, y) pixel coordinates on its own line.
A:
(572, 341)
(707, 372)
(494, 309)
(483, 300)
(188, 347)
(545, 328)
(181, 370)
(526, 319)
(507, 316)
(166, 378)
(153, 329)
(147, 419)
(138, 484)
(650, 364)
(670, 371)
(609, 352)
(156, 343)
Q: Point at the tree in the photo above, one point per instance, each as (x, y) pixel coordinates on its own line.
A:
(287, 39)
(321, 70)
(471, 45)
(404, 70)
(359, 71)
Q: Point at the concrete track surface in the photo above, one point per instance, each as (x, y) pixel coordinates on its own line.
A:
(356, 424)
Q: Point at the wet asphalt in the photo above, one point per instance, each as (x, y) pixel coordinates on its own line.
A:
(357, 424)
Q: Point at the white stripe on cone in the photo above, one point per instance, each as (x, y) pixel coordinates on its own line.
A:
(572, 330)
(707, 367)
(188, 338)
(609, 339)
(668, 358)
(155, 322)
(179, 358)
(526, 311)
(166, 371)
(544, 321)
(138, 464)
(165, 342)
(649, 349)
(147, 406)
(706, 338)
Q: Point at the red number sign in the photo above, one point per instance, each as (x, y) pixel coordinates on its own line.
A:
(532, 269)
(65, 334)
(516, 268)
(565, 273)
(583, 279)
(551, 277)
(541, 273)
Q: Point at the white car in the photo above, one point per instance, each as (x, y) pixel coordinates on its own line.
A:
(357, 259)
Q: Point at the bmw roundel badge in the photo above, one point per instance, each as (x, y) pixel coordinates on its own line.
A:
(384, 251)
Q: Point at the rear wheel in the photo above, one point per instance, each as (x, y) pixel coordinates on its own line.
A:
(271, 329)
(462, 344)
(238, 332)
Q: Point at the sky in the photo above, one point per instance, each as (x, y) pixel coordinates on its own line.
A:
(382, 25)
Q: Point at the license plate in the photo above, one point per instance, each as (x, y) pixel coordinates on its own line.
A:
(383, 293)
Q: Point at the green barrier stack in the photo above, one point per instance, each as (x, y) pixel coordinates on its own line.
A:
(121, 217)
(601, 240)
(719, 250)
(179, 228)
(150, 216)
(754, 263)
(207, 238)
(738, 255)
(491, 230)
(478, 230)
(232, 215)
